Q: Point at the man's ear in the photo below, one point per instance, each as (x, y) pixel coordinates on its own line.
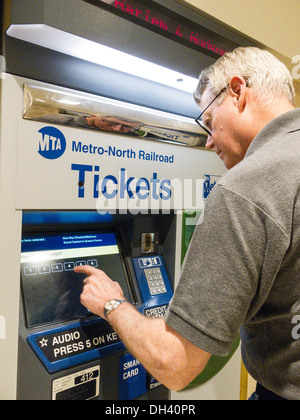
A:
(237, 87)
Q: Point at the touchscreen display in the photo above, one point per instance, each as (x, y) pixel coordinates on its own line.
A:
(51, 288)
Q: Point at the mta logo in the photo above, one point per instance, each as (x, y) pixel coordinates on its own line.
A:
(52, 144)
(209, 183)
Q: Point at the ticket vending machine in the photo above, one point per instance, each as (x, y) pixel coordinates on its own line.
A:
(75, 195)
(96, 167)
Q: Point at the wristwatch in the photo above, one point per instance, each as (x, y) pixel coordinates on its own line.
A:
(111, 305)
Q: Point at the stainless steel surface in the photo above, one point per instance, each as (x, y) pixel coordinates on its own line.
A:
(76, 109)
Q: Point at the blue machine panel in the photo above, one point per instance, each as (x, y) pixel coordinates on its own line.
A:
(50, 284)
(68, 346)
(132, 378)
(153, 282)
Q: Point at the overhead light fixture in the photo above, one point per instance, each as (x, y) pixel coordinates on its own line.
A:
(60, 41)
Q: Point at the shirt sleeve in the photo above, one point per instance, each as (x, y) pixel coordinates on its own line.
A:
(221, 273)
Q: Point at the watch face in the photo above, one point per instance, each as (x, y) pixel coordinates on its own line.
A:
(110, 305)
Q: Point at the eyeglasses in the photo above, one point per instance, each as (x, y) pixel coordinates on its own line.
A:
(199, 120)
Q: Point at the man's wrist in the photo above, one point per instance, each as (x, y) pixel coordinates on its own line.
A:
(111, 305)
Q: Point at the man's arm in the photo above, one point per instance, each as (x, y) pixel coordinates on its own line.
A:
(168, 356)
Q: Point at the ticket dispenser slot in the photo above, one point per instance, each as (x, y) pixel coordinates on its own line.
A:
(149, 243)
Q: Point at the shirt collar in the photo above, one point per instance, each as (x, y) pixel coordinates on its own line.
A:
(285, 123)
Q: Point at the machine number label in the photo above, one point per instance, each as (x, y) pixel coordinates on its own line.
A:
(82, 385)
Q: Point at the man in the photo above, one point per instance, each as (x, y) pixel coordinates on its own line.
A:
(250, 233)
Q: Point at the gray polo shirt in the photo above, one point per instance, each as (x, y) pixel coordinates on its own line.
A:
(242, 270)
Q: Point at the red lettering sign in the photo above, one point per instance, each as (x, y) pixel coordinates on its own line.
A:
(176, 28)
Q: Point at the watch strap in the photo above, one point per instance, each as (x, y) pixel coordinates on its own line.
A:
(114, 303)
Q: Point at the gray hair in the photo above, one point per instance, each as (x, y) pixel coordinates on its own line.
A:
(261, 70)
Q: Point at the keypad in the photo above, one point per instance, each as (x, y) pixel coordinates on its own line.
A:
(155, 281)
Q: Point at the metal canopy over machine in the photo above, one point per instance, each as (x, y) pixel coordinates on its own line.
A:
(34, 24)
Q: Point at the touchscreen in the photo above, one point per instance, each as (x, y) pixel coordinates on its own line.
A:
(51, 288)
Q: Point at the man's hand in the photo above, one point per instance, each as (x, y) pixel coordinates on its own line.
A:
(98, 289)
(170, 358)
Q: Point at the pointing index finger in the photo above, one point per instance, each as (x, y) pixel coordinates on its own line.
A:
(85, 269)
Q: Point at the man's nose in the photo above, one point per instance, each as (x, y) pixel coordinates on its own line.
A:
(117, 127)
